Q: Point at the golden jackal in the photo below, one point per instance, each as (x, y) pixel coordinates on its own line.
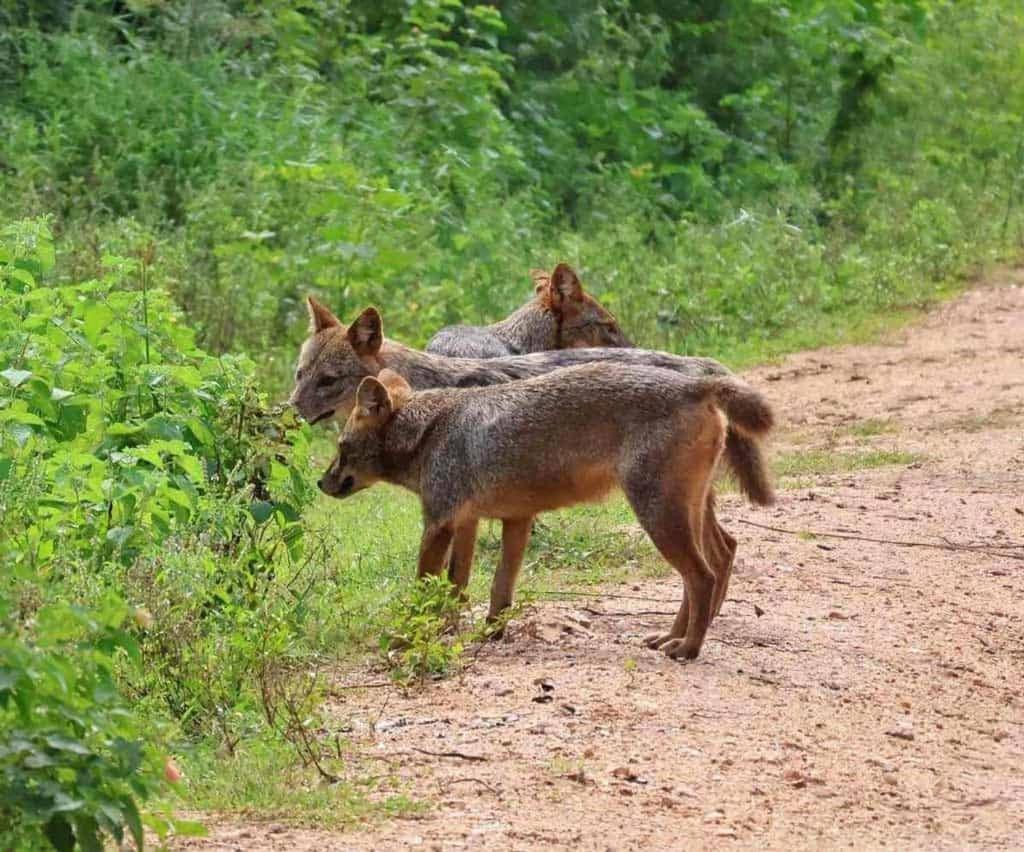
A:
(514, 450)
(561, 315)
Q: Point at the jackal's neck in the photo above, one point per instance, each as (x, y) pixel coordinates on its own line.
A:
(405, 441)
(532, 328)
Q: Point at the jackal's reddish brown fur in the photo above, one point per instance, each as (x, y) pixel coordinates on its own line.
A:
(512, 451)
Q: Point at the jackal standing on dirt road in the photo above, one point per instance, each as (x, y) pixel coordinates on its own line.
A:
(514, 450)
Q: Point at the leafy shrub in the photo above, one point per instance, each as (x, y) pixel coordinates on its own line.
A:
(129, 429)
(75, 763)
(122, 446)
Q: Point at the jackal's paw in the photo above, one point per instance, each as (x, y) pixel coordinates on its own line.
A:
(680, 649)
(656, 640)
(494, 630)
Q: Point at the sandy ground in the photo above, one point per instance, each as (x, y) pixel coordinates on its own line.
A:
(852, 693)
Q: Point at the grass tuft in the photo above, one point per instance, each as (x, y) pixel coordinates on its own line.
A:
(802, 463)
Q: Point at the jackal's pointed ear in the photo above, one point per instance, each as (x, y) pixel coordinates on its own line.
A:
(366, 334)
(565, 286)
(541, 279)
(320, 316)
(398, 388)
(373, 402)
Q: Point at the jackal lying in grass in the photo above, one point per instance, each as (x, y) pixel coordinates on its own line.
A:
(559, 316)
(512, 451)
(335, 359)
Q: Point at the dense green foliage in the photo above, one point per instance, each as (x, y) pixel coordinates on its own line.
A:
(120, 441)
(733, 179)
(723, 173)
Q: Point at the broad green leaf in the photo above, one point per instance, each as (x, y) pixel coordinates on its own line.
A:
(22, 275)
(62, 743)
(19, 415)
(16, 377)
(119, 536)
(261, 510)
(96, 321)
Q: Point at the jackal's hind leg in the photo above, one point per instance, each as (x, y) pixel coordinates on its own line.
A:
(725, 559)
(672, 513)
(460, 559)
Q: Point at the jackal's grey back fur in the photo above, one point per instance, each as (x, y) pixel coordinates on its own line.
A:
(561, 315)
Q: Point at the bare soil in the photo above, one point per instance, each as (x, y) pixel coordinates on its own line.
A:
(852, 693)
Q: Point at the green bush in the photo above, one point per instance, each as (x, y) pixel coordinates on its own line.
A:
(117, 431)
(76, 763)
(123, 447)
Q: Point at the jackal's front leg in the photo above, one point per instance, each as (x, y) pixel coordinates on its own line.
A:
(433, 548)
(515, 533)
(460, 562)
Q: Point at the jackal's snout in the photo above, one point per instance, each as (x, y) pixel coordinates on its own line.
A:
(330, 485)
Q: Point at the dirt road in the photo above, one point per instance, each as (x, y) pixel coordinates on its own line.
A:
(851, 694)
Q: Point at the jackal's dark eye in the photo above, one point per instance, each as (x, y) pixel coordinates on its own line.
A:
(326, 381)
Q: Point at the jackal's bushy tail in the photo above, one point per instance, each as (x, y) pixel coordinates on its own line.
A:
(750, 418)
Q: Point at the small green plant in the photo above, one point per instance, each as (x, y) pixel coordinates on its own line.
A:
(421, 635)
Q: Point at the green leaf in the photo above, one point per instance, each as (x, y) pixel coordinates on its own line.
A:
(62, 743)
(261, 510)
(21, 433)
(119, 535)
(19, 415)
(123, 429)
(191, 466)
(134, 821)
(200, 431)
(22, 275)
(97, 319)
(161, 426)
(38, 760)
(16, 377)
(87, 832)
